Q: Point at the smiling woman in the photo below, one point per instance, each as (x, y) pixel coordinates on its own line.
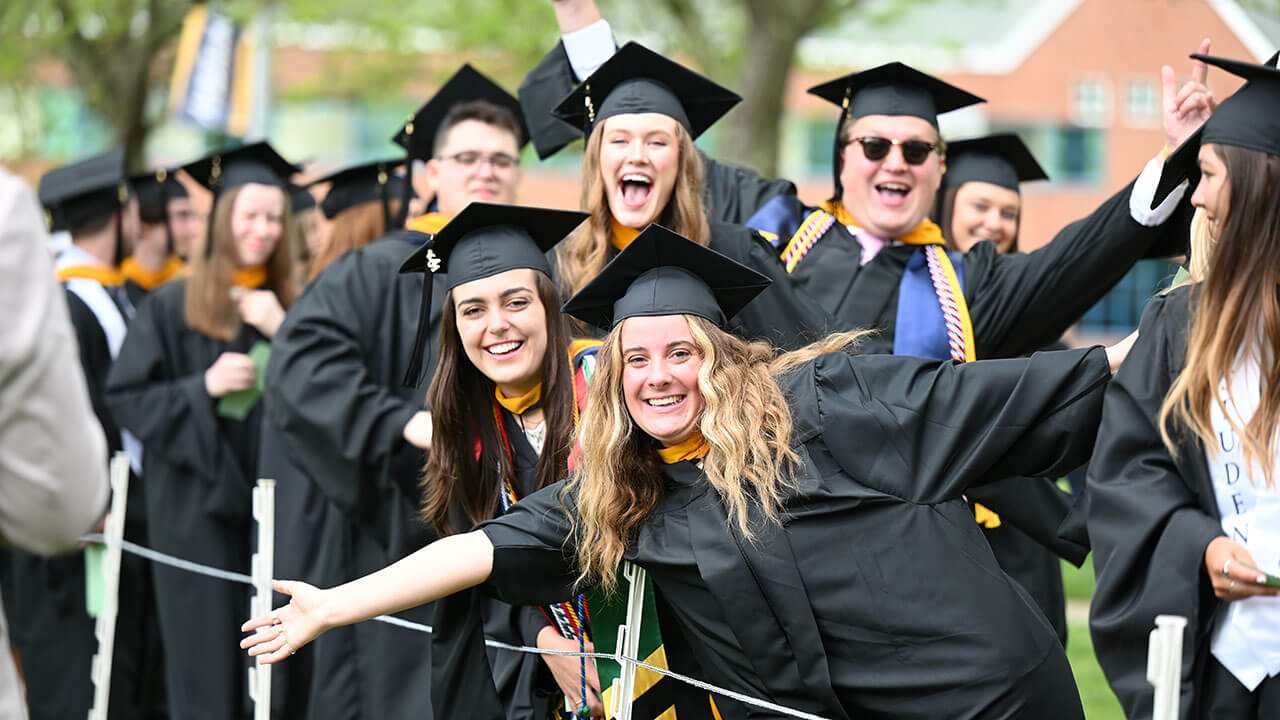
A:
(187, 350)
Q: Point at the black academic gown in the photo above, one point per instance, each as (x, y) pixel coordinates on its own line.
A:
(45, 597)
(198, 473)
(1018, 302)
(1151, 516)
(879, 597)
(347, 495)
(523, 682)
(730, 193)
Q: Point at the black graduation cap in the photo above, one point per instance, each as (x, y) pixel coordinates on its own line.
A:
(890, 89)
(154, 190)
(359, 184)
(84, 191)
(639, 80)
(1249, 118)
(257, 163)
(1001, 159)
(662, 272)
(300, 198)
(418, 136)
(481, 241)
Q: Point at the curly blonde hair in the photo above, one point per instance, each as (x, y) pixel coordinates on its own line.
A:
(746, 423)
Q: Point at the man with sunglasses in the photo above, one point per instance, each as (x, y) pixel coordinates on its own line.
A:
(872, 258)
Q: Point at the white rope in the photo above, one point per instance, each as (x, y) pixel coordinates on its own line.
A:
(157, 556)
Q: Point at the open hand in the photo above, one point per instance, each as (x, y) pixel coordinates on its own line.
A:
(286, 629)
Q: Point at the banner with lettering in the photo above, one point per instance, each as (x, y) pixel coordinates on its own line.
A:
(215, 73)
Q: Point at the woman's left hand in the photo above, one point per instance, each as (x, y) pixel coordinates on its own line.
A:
(567, 670)
(261, 309)
(1227, 563)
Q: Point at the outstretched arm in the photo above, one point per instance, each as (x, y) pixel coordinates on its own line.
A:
(442, 568)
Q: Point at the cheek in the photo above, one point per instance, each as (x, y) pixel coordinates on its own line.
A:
(632, 382)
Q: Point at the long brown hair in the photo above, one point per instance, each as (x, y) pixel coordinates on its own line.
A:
(589, 248)
(352, 228)
(209, 308)
(458, 484)
(1237, 312)
(746, 422)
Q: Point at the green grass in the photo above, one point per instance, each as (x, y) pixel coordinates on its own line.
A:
(1099, 702)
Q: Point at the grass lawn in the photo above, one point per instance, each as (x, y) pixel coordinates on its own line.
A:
(1099, 702)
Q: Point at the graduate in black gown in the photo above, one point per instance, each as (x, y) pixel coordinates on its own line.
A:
(641, 113)
(871, 257)
(50, 627)
(504, 408)
(1183, 506)
(153, 261)
(359, 206)
(185, 384)
(344, 434)
(730, 193)
(800, 518)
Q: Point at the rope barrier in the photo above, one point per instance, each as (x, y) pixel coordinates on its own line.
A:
(189, 566)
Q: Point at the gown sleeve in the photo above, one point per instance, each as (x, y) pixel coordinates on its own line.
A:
(1023, 301)
(925, 430)
(1149, 529)
(320, 391)
(169, 412)
(533, 551)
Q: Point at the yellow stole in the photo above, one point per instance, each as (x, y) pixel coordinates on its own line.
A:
(104, 275)
(693, 448)
(431, 223)
(250, 278)
(151, 279)
(622, 235)
(520, 405)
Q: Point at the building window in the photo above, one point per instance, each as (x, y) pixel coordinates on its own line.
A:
(1142, 103)
(1119, 311)
(1091, 103)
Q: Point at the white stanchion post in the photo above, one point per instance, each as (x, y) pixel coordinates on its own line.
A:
(264, 512)
(105, 626)
(629, 643)
(1164, 665)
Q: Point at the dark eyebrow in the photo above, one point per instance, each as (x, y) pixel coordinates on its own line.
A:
(505, 294)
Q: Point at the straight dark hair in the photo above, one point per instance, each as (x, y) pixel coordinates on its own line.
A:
(459, 486)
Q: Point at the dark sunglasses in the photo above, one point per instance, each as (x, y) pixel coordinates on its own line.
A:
(915, 152)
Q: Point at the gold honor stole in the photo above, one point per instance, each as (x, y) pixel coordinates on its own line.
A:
(946, 286)
(151, 279)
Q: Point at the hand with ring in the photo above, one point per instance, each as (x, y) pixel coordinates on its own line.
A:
(282, 632)
(1225, 562)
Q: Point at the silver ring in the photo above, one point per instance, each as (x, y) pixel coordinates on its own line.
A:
(1226, 564)
(1231, 586)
